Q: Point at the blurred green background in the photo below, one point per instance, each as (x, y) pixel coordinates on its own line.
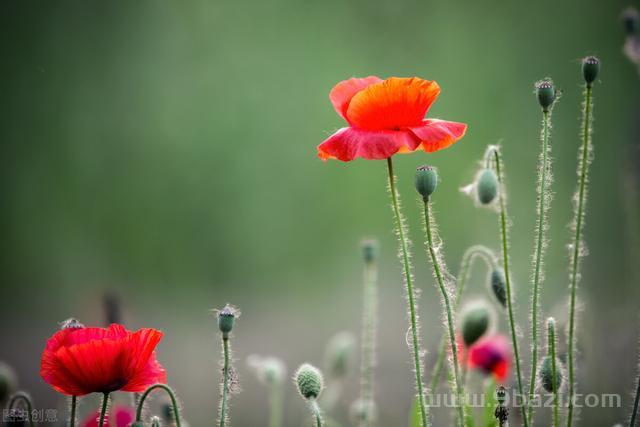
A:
(166, 151)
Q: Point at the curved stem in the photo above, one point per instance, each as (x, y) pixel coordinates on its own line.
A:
(552, 353)
(575, 257)
(225, 382)
(505, 260)
(172, 396)
(26, 399)
(103, 411)
(368, 339)
(315, 409)
(539, 245)
(72, 416)
(404, 248)
(474, 252)
(435, 262)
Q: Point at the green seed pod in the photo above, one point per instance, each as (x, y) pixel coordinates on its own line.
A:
(631, 21)
(546, 94)
(487, 186)
(8, 382)
(590, 69)
(369, 250)
(226, 319)
(498, 283)
(476, 320)
(309, 381)
(426, 181)
(340, 354)
(501, 394)
(546, 375)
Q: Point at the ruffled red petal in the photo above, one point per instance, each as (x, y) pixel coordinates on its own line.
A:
(492, 355)
(436, 134)
(350, 143)
(343, 92)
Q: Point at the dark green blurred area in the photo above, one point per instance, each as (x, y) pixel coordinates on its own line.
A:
(166, 151)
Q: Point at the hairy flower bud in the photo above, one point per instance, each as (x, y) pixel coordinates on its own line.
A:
(309, 381)
(426, 181)
(476, 321)
(498, 284)
(546, 375)
(487, 186)
(590, 69)
(546, 92)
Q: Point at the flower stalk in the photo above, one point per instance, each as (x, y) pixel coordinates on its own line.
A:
(226, 321)
(172, 396)
(103, 411)
(72, 412)
(551, 349)
(408, 279)
(369, 323)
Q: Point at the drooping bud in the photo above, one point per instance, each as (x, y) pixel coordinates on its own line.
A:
(426, 181)
(546, 92)
(309, 381)
(8, 382)
(340, 354)
(226, 319)
(477, 318)
(498, 284)
(487, 186)
(631, 20)
(546, 375)
(71, 323)
(369, 250)
(590, 69)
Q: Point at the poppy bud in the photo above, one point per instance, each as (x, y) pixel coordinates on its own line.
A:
(369, 250)
(426, 181)
(226, 319)
(8, 382)
(546, 375)
(631, 19)
(546, 94)
(476, 320)
(487, 186)
(309, 381)
(590, 69)
(499, 285)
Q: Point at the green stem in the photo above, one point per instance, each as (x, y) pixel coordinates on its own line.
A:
(636, 401)
(103, 411)
(72, 416)
(575, 257)
(172, 396)
(539, 245)
(27, 402)
(435, 262)
(410, 294)
(554, 374)
(505, 260)
(368, 339)
(225, 382)
(275, 413)
(474, 252)
(315, 409)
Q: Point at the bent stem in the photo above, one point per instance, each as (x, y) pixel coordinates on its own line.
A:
(172, 396)
(544, 172)
(554, 375)
(577, 242)
(438, 270)
(474, 252)
(368, 339)
(495, 152)
(103, 411)
(72, 415)
(413, 324)
(26, 399)
(225, 381)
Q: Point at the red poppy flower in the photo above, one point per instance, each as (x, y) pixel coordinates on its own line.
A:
(492, 355)
(386, 117)
(78, 361)
(122, 417)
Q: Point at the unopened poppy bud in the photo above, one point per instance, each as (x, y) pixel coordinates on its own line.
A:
(71, 323)
(590, 69)
(8, 382)
(546, 94)
(498, 284)
(546, 375)
(631, 20)
(226, 319)
(369, 250)
(476, 320)
(309, 381)
(487, 186)
(426, 181)
(340, 354)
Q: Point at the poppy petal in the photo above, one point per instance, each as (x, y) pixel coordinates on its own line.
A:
(350, 143)
(392, 104)
(343, 92)
(436, 134)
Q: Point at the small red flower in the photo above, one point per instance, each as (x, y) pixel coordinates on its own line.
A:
(79, 361)
(123, 417)
(386, 117)
(492, 355)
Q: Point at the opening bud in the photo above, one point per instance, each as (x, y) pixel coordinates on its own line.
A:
(477, 318)
(590, 69)
(309, 381)
(426, 181)
(487, 186)
(498, 283)
(546, 92)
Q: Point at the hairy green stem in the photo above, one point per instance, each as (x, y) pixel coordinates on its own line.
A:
(474, 252)
(437, 268)
(315, 409)
(26, 399)
(404, 248)
(554, 375)
(538, 251)
(225, 381)
(172, 396)
(577, 240)
(103, 411)
(505, 259)
(368, 339)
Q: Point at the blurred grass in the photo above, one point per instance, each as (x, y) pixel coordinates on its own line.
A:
(167, 150)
